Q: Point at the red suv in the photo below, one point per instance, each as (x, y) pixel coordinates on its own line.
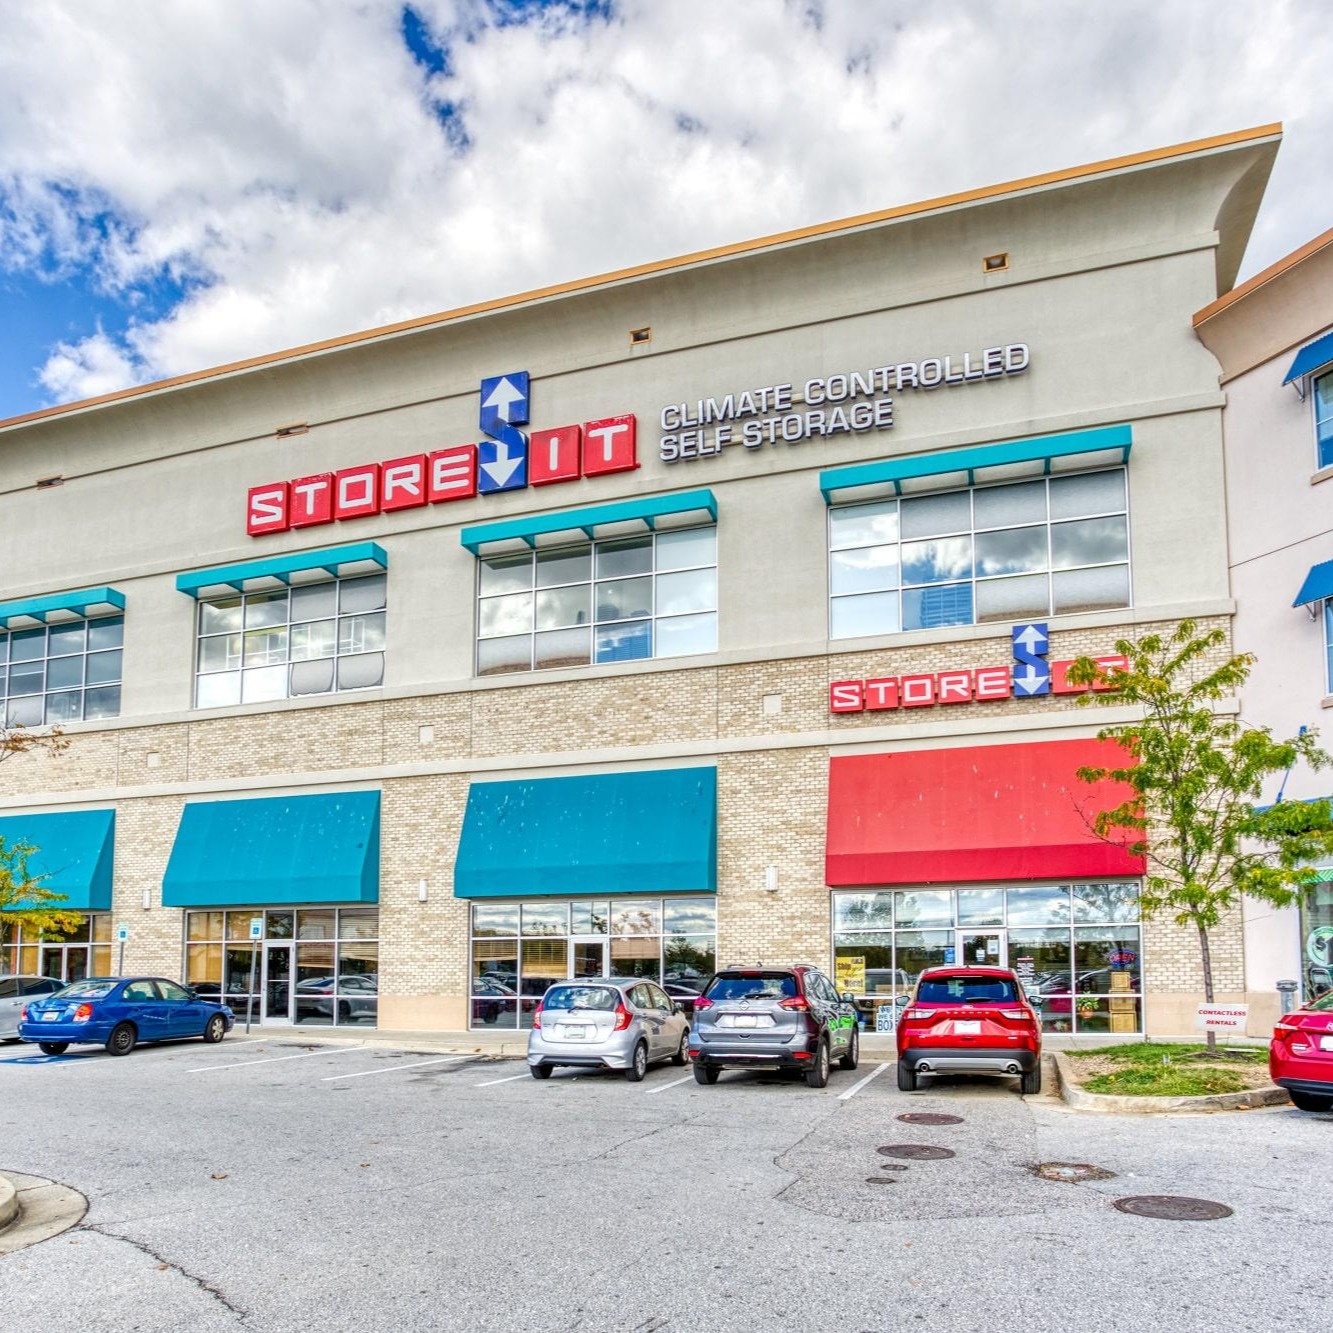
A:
(1300, 1056)
(969, 1020)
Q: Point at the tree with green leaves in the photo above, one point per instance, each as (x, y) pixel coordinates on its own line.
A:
(1196, 775)
(23, 900)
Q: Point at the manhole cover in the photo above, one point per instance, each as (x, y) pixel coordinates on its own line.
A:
(915, 1152)
(881, 1180)
(929, 1118)
(1070, 1171)
(1173, 1208)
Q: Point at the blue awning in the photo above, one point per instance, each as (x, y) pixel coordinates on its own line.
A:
(621, 519)
(1318, 584)
(280, 570)
(1012, 460)
(1313, 356)
(276, 849)
(612, 833)
(62, 606)
(73, 857)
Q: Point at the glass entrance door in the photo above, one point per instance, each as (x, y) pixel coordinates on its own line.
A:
(982, 948)
(587, 956)
(277, 987)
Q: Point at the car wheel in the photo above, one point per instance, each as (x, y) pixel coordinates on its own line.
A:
(817, 1075)
(682, 1055)
(639, 1064)
(54, 1047)
(1302, 1101)
(1030, 1084)
(853, 1056)
(122, 1039)
(540, 1071)
(215, 1029)
(703, 1074)
(906, 1077)
(344, 1011)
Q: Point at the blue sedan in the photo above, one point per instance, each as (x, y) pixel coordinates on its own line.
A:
(119, 1013)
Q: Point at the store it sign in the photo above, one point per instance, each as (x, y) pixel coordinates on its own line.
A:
(1030, 674)
(507, 459)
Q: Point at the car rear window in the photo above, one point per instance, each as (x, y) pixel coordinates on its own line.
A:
(88, 990)
(1323, 1003)
(753, 986)
(581, 997)
(967, 990)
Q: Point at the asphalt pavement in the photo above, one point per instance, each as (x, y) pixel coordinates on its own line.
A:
(280, 1185)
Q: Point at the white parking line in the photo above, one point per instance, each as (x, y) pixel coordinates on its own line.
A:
(857, 1086)
(491, 1082)
(393, 1069)
(675, 1083)
(276, 1059)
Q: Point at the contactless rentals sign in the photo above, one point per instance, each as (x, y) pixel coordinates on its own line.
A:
(506, 459)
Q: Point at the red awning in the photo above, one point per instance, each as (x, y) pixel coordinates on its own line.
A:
(992, 812)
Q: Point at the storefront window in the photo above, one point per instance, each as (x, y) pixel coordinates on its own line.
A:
(315, 967)
(1317, 940)
(82, 952)
(68, 672)
(313, 638)
(1030, 548)
(607, 601)
(1076, 948)
(518, 950)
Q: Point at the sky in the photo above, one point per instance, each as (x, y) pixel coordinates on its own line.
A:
(189, 182)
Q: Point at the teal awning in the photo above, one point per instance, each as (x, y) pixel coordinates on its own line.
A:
(73, 857)
(1013, 460)
(1318, 584)
(276, 849)
(61, 606)
(623, 518)
(612, 833)
(280, 570)
(1313, 356)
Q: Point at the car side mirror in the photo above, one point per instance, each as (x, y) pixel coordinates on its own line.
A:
(902, 999)
(847, 997)
(677, 1007)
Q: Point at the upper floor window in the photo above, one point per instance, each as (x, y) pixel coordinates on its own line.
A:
(1056, 545)
(616, 600)
(65, 672)
(312, 638)
(1323, 417)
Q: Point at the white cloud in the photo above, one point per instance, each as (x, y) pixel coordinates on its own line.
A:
(286, 160)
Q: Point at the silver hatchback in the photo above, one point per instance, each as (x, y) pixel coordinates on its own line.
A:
(621, 1023)
(15, 992)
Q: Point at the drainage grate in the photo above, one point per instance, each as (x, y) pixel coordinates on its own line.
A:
(1070, 1171)
(915, 1152)
(1173, 1208)
(929, 1118)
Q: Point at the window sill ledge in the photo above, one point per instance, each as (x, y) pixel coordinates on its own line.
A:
(1321, 474)
(1326, 701)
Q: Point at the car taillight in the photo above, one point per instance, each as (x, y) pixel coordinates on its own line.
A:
(537, 1017)
(623, 1018)
(23, 1014)
(918, 1013)
(702, 1003)
(1283, 1026)
(83, 1013)
(797, 1003)
(1019, 1014)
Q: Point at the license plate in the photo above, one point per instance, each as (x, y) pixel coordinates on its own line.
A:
(746, 1021)
(1326, 1043)
(50, 1017)
(967, 1027)
(576, 1034)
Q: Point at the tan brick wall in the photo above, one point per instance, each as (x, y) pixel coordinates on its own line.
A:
(145, 830)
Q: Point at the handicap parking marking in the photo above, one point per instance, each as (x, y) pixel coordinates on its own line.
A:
(393, 1069)
(675, 1083)
(860, 1083)
(48, 1059)
(277, 1059)
(512, 1078)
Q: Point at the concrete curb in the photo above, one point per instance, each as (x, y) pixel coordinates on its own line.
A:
(1108, 1104)
(9, 1203)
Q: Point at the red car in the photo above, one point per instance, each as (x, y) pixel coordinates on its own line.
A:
(1300, 1056)
(969, 1020)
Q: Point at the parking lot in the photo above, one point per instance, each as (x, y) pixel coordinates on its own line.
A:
(279, 1185)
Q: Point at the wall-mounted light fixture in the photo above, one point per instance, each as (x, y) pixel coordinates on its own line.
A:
(147, 899)
(771, 879)
(637, 337)
(995, 263)
(422, 893)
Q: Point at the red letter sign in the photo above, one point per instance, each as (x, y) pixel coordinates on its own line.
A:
(403, 483)
(356, 491)
(882, 693)
(955, 687)
(267, 509)
(844, 696)
(312, 500)
(994, 683)
(453, 474)
(917, 691)
(553, 455)
(608, 446)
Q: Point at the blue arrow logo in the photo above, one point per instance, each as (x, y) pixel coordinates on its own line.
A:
(501, 466)
(502, 460)
(1031, 644)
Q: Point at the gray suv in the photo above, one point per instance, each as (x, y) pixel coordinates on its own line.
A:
(773, 1017)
